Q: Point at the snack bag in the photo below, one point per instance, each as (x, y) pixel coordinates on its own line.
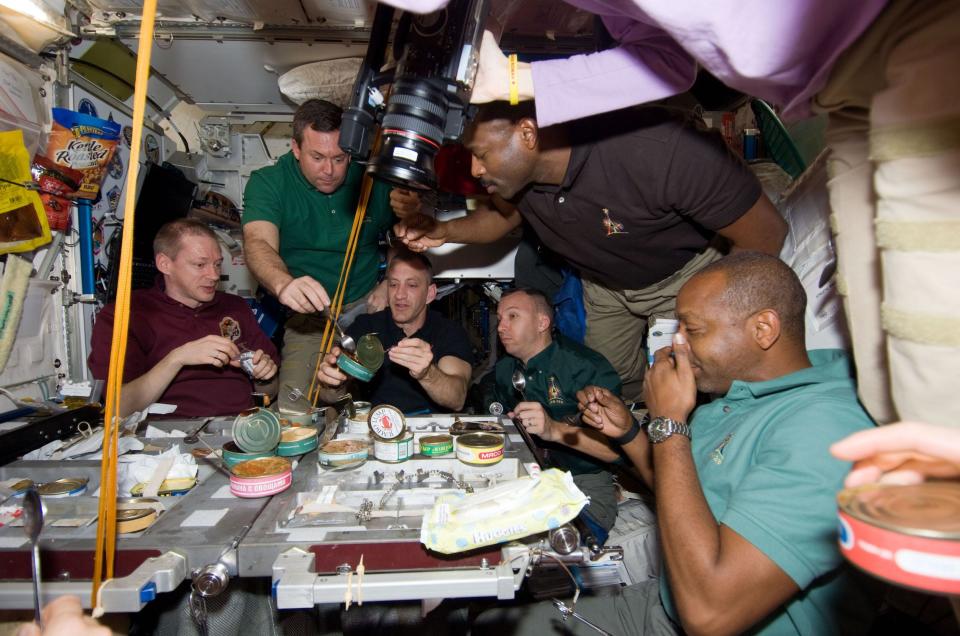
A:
(83, 143)
(513, 510)
(23, 223)
(55, 182)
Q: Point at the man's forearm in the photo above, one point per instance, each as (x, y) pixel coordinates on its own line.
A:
(485, 224)
(138, 394)
(585, 440)
(689, 533)
(445, 389)
(266, 265)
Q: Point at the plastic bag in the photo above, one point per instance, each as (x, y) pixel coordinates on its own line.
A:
(84, 143)
(23, 222)
(513, 510)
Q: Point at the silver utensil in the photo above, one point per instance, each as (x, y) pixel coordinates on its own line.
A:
(344, 467)
(194, 436)
(32, 525)
(568, 611)
(346, 342)
(519, 382)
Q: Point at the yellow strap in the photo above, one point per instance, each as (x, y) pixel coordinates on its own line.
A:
(336, 305)
(514, 85)
(107, 519)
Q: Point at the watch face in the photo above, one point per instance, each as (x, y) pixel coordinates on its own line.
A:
(387, 422)
(657, 432)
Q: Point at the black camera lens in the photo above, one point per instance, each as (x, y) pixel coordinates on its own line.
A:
(413, 128)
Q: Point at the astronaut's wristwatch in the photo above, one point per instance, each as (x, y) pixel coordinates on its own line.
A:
(662, 428)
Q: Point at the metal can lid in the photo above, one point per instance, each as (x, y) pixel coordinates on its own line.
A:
(480, 440)
(370, 351)
(256, 430)
(386, 422)
(925, 510)
(63, 486)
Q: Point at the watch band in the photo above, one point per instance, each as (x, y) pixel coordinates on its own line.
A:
(629, 436)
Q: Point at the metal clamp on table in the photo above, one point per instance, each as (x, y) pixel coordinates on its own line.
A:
(154, 576)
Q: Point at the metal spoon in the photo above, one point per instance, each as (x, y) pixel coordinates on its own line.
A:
(32, 525)
(347, 343)
(345, 467)
(194, 436)
(519, 382)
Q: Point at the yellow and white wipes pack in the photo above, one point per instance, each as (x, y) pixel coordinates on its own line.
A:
(513, 510)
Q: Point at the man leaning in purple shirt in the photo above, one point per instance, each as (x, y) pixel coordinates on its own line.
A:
(882, 70)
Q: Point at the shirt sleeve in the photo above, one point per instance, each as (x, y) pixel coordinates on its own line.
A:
(101, 341)
(786, 506)
(261, 198)
(705, 182)
(453, 341)
(647, 65)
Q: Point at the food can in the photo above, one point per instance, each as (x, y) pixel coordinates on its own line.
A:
(352, 367)
(256, 430)
(386, 422)
(480, 449)
(135, 514)
(293, 418)
(342, 451)
(261, 477)
(394, 450)
(434, 445)
(66, 487)
(751, 144)
(907, 535)
(232, 455)
(297, 441)
(358, 424)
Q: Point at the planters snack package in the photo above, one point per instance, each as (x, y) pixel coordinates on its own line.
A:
(83, 143)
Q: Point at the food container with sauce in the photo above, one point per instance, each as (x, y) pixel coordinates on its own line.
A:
(906, 535)
(232, 455)
(342, 451)
(479, 449)
(352, 367)
(261, 477)
(436, 445)
(297, 441)
(256, 430)
(395, 450)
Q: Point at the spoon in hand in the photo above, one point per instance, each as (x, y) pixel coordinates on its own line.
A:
(32, 525)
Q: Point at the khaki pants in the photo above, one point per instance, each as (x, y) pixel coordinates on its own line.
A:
(618, 318)
(893, 102)
(302, 337)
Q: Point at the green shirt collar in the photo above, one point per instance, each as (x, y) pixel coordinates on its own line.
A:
(828, 364)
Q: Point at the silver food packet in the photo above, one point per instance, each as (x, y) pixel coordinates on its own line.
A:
(246, 362)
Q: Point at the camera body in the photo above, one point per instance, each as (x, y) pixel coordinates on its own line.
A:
(430, 96)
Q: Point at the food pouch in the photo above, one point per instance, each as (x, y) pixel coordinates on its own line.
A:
(55, 182)
(23, 223)
(84, 143)
(513, 510)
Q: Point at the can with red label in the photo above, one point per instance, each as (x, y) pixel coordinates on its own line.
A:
(907, 535)
(479, 449)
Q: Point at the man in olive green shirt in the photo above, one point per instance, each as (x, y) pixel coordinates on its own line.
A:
(555, 369)
(297, 219)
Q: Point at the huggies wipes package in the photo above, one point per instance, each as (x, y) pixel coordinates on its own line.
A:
(512, 510)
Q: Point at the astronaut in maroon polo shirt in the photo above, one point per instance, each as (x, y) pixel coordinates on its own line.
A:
(186, 338)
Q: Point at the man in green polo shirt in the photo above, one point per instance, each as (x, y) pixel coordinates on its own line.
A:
(297, 218)
(555, 368)
(744, 485)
